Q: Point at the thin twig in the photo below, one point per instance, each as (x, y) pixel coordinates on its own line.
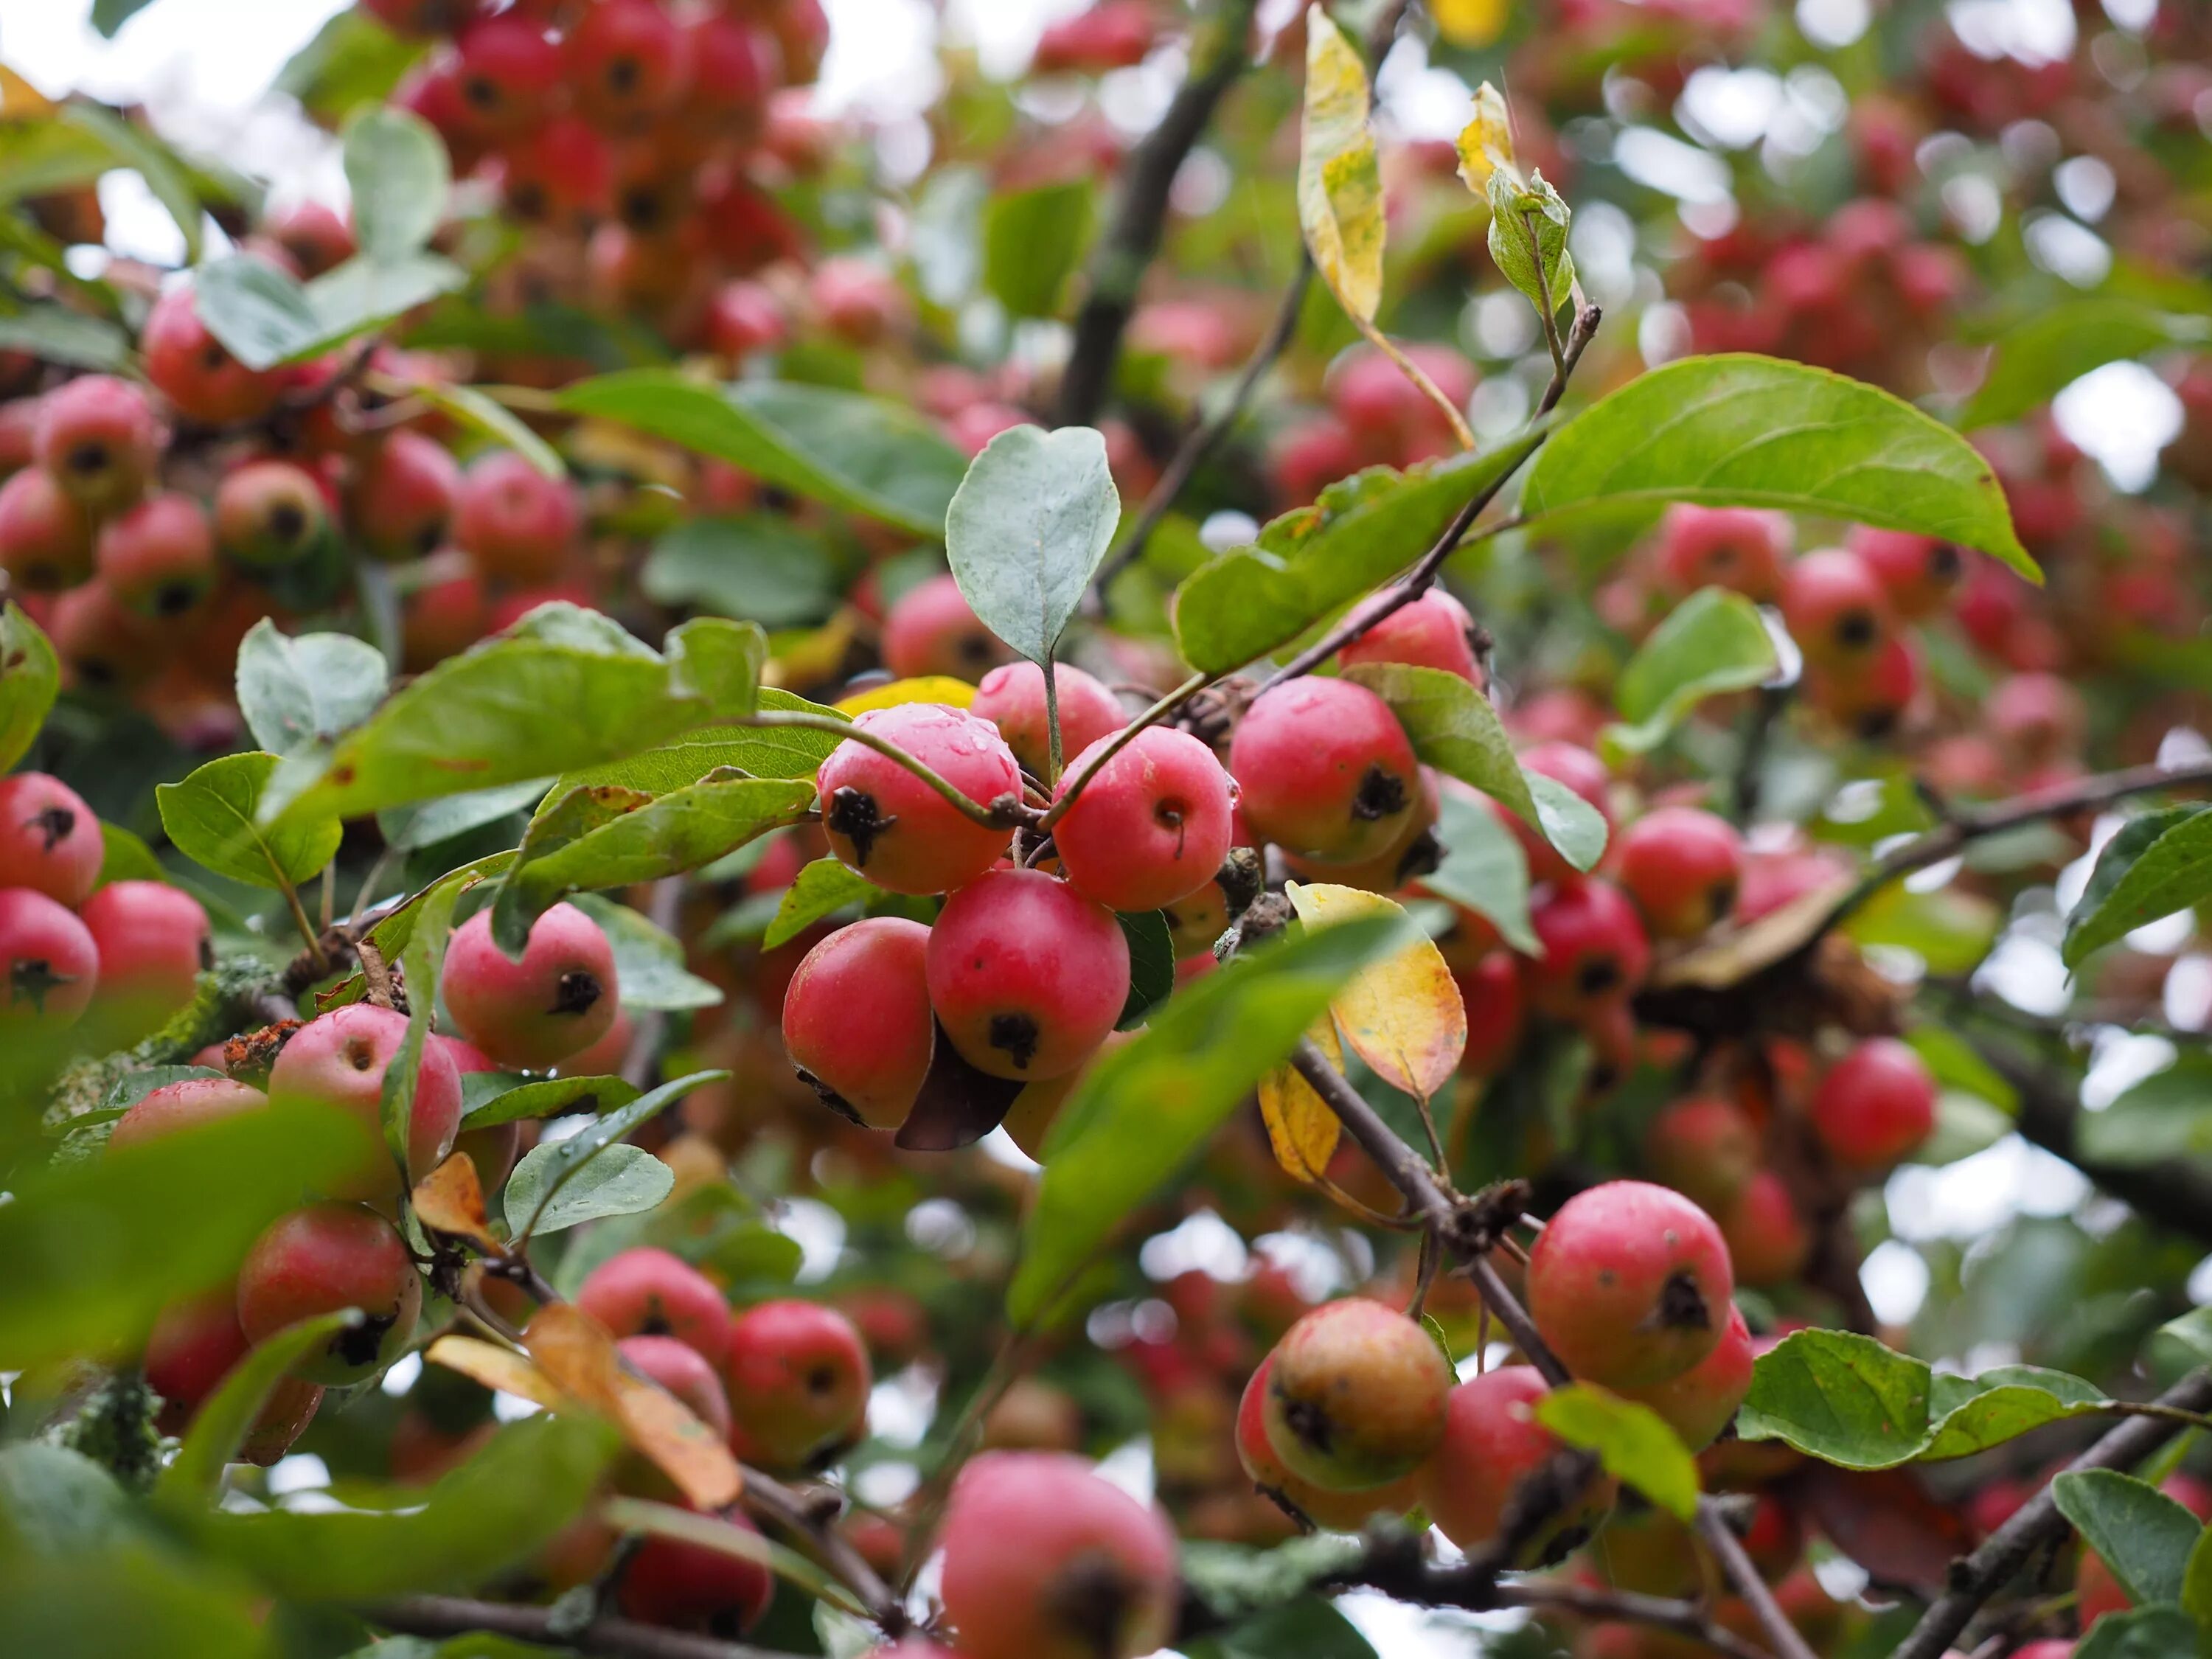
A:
(618, 1638)
(1744, 1578)
(1002, 814)
(772, 1500)
(1073, 785)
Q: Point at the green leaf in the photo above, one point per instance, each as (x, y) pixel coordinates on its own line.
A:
(221, 1424)
(364, 295)
(1032, 242)
(2140, 1533)
(264, 318)
(1746, 431)
(2157, 864)
(151, 160)
(30, 677)
(2155, 1633)
(104, 1245)
(764, 752)
(554, 1164)
(407, 828)
(648, 960)
(55, 334)
(866, 454)
(1454, 729)
(620, 1181)
(1027, 528)
(395, 167)
(563, 688)
(507, 1101)
(212, 817)
(1529, 221)
(1139, 1112)
(353, 61)
(760, 567)
(127, 1599)
(1713, 643)
(109, 15)
(304, 693)
(529, 1480)
(1483, 869)
(1309, 563)
(54, 1501)
(2197, 1583)
(1151, 964)
(1948, 928)
(2060, 344)
(1630, 1440)
(493, 420)
(124, 857)
(1847, 1399)
(670, 834)
(823, 888)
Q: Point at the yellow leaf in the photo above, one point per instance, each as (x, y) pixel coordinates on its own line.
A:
(450, 1199)
(603, 447)
(1339, 185)
(1403, 1015)
(1470, 22)
(1300, 1126)
(19, 99)
(812, 655)
(497, 1368)
(1485, 143)
(929, 688)
(577, 1352)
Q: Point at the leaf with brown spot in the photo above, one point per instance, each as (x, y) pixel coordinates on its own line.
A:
(1402, 1015)
(1301, 1128)
(450, 1199)
(577, 1352)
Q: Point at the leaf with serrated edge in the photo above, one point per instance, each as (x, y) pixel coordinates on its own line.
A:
(1402, 1015)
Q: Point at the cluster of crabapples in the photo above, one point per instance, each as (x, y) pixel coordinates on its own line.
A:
(125, 954)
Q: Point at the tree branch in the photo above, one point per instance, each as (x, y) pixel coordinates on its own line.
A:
(618, 1638)
(1117, 269)
(1975, 1578)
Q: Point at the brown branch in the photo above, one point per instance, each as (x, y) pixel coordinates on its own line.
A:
(792, 1509)
(1423, 575)
(1117, 269)
(2037, 1524)
(618, 1638)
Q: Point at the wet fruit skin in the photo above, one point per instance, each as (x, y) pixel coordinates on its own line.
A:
(1325, 770)
(931, 629)
(49, 963)
(1490, 1442)
(897, 831)
(857, 1020)
(1043, 1559)
(339, 1059)
(1874, 1105)
(1630, 1284)
(1682, 867)
(183, 1105)
(1356, 1395)
(1151, 823)
(1703, 1400)
(798, 1378)
(1027, 975)
(1012, 697)
(649, 1292)
(323, 1258)
(1339, 1511)
(49, 840)
(561, 997)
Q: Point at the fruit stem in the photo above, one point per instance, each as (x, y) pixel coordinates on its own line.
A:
(993, 815)
(1114, 745)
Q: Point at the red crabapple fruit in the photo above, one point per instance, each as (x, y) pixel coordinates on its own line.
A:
(683, 1370)
(314, 236)
(1151, 824)
(1629, 1283)
(1496, 1011)
(1682, 866)
(45, 536)
(897, 830)
(529, 1014)
(1012, 697)
(649, 1292)
(930, 629)
(1837, 608)
(797, 1379)
(1738, 547)
(403, 496)
(339, 1061)
(157, 557)
(1702, 1402)
(269, 515)
(1356, 1395)
(99, 438)
(1919, 573)
(513, 522)
(1704, 1147)
(323, 1258)
(153, 943)
(1871, 698)
(684, 1586)
(1433, 631)
(1874, 1105)
(1325, 1506)
(562, 175)
(1026, 974)
(626, 62)
(191, 1349)
(184, 1104)
(50, 962)
(1768, 1241)
(195, 371)
(1595, 950)
(1325, 770)
(1491, 1443)
(49, 840)
(507, 71)
(1044, 1559)
(857, 1021)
